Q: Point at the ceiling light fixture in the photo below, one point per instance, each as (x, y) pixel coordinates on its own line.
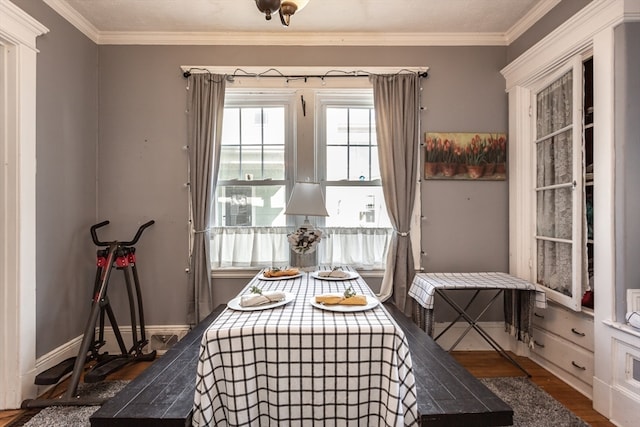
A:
(286, 8)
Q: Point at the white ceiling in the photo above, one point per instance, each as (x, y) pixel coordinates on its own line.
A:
(348, 22)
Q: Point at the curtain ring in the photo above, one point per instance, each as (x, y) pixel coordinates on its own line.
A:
(402, 233)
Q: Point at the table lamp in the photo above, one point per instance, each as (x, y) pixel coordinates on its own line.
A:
(306, 199)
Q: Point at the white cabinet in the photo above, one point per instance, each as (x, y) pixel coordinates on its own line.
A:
(608, 355)
(564, 344)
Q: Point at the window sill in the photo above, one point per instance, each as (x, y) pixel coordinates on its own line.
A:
(623, 327)
(248, 273)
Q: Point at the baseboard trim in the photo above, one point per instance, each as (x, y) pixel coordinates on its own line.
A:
(71, 348)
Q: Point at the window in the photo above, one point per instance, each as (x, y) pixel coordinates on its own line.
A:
(349, 151)
(269, 141)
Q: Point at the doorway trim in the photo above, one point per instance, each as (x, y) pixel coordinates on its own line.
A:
(18, 52)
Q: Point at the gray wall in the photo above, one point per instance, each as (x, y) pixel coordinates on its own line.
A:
(627, 147)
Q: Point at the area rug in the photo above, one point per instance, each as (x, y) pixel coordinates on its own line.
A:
(532, 406)
(77, 416)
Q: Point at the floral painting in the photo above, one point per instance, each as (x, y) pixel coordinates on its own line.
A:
(479, 156)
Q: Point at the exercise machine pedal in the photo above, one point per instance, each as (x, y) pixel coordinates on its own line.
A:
(100, 371)
(55, 373)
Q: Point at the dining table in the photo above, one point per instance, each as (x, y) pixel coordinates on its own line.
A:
(297, 362)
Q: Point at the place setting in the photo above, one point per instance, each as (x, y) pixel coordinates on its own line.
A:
(275, 273)
(335, 274)
(257, 299)
(347, 302)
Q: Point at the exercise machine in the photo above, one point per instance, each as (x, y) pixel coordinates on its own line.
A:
(120, 255)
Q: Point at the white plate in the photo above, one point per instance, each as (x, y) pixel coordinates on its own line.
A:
(261, 277)
(351, 275)
(234, 304)
(371, 302)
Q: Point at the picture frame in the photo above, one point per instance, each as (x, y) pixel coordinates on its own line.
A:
(465, 156)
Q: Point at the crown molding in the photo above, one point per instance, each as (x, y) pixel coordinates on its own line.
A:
(527, 21)
(74, 18)
(19, 27)
(301, 39)
(574, 36)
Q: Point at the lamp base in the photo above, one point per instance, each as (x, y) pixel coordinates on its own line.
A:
(305, 262)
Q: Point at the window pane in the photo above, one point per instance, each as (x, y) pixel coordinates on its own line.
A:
(252, 161)
(229, 163)
(555, 160)
(231, 126)
(247, 205)
(375, 164)
(359, 164)
(356, 206)
(554, 266)
(274, 126)
(554, 213)
(274, 162)
(554, 104)
(251, 125)
(337, 125)
(359, 126)
(337, 163)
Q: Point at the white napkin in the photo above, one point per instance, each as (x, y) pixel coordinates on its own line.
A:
(266, 297)
(334, 273)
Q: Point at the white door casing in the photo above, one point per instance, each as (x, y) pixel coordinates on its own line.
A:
(18, 33)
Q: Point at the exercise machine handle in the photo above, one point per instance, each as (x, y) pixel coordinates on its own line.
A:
(98, 242)
(94, 236)
(138, 233)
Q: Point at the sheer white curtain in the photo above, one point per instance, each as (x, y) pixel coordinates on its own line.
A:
(267, 246)
(554, 181)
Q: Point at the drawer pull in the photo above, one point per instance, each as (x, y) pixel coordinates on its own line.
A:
(582, 334)
(538, 315)
(538, 344)
(582, 368)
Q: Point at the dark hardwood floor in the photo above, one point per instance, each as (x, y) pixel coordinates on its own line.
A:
(482, 364)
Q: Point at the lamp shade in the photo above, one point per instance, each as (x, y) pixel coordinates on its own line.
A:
(306, 199)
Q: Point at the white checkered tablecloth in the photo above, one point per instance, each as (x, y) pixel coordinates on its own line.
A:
(424, 285)
(299, 365)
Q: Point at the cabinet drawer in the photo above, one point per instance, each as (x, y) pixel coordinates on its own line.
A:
(573, 326)
(571, 358)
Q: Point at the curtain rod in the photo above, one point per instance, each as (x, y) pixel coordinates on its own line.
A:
(239, 72)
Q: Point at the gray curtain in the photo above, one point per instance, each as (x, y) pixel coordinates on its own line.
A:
(397, 105)
(205, 103)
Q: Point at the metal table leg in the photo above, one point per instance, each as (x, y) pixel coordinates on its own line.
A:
(473, 324)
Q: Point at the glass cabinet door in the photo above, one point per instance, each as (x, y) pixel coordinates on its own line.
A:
(558, 183)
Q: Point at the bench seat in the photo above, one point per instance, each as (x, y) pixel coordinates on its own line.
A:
(448, 395)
